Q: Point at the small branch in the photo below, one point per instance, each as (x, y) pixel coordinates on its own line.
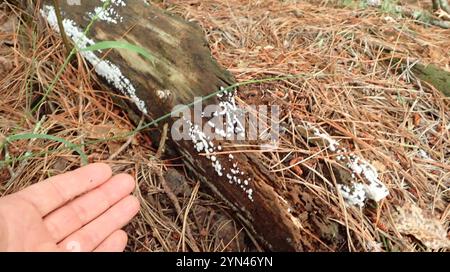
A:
(61, 27)
(173, 198)
(162, 142)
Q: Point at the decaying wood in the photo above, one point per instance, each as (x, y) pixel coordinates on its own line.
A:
(424, 16)
(430, 73)
(434, 75)
(184, 66)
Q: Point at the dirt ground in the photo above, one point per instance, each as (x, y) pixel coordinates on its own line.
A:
(369, 103)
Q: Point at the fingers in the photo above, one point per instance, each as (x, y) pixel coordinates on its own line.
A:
(86, 208)
(116, 242)
(52, 193)
(92, 234)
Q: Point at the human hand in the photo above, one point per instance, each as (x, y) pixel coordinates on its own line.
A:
(82, 210)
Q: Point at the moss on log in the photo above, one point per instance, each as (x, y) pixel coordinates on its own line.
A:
(434, 75)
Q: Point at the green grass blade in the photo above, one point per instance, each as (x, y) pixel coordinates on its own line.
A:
(29, 136)
(120, 45)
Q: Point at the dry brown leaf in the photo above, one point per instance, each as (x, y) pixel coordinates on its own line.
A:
(113, 147)
(417, 118)
(5, 66)
(104, 131)
(177, 182)
(412, 220)
(379, 166)
(295, 167)
(7, 26)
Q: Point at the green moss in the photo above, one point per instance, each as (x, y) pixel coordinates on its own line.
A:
(434, 75)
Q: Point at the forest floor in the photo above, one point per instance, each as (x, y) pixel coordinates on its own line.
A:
(367, 101)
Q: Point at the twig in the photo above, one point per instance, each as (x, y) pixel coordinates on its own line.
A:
(61, 27)
(162, 142)
(186, 213)
(177, 206)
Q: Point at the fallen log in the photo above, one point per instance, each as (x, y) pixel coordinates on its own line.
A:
(430, 73)
(434, 75)
(181, 70)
